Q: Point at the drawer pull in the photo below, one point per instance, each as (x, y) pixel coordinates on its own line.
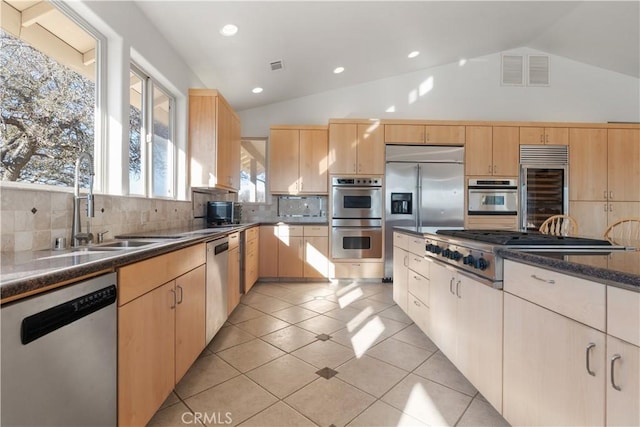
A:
(451, 286)
(551, 282)
(181, 296)
(417, 303)
(416, 277)
(613, 379)
(589, 347)
(417, 259)
(174, 298)
(458, 289)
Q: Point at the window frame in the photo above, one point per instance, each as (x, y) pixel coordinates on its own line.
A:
(267, 192)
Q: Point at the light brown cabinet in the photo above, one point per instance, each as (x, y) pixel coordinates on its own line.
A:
(623, 160)
(161, 329)
(303, 251)
(268, 249)
(444, 134)
(251, 254)
(542, 135)
(492, 151)
(214, 141)
(588, 164)
(356, 148)
(233, 273)
(424, 134)
(298, 159)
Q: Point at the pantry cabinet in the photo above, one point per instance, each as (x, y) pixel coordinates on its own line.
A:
(161, 329)
(298, 159)
(356, 148)
(492, 151)
(542, 135)
(214, 141)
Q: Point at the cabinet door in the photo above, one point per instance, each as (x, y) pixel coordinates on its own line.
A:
(624, 164)
(400, 276)
(190, 319)
(290, 257)
(442, 309)
(314, 147)
(622, 405)
(202, 140)
(438, 134)
(146, 354)
(506, 151)
(234, 157)
(479, 346)
(226, 147)
(284, 155)
(268, 251)
(233, 280)
(588, 164)
(619, 210)
(556, 136)
(531, 135)
(478, 159)
(591, 217)
(316, 256)
(343, 142)
(545, 368)
(404, 134)
(370, 149)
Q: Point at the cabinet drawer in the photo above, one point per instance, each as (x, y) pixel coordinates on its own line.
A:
(488, 222)
(416, 245)
(419, 313)
(359, 270)
(141, 277)
(419, 287)
(576, 298)
(623, 314)
(234, 240)
(252, 245)
(316, 230)
(290, 231)
(419, 264)
(252, 233)
(401, 240)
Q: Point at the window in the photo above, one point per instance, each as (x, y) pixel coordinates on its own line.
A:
(152, 152)
(49, 95)
(253, 175)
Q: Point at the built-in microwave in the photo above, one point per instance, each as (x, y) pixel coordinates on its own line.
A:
(493, 197)
(219, 213)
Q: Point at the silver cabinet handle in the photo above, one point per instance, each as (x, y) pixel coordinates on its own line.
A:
(174, 298)
(551, 281)
(417, 303)
(610, 207)
(605, 206)
(605, 194)
(589, 347)
(180, 288)
(542, 138)
(451, 285)
(613, 379)
(404, 261)
(610, 195)
(547, 138)
(416, 277)
(495, 169)
(458, 289)
(489, 168)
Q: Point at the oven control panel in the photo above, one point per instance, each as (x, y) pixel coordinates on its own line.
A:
(478, 260)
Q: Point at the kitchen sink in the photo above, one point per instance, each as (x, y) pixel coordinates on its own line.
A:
(124, 244)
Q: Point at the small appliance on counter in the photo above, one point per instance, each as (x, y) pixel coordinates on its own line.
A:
(220, 213)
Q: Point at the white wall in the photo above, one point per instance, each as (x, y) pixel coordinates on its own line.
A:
(577, 93)
(131, 36)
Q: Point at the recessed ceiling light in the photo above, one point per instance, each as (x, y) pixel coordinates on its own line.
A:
(338, 70)
(413, 54)
(229, 30)
(256, 90)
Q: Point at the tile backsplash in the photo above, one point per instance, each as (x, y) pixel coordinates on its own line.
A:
(32, 219)
(288, 211)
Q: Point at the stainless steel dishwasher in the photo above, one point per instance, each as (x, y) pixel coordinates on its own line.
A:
(216, 292)
(59, 355)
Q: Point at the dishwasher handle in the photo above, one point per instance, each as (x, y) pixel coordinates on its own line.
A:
(43, 323)
(222, 247)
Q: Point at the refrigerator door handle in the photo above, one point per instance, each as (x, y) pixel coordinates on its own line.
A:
(418, 196)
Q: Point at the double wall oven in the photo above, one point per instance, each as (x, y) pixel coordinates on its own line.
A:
(356, 225)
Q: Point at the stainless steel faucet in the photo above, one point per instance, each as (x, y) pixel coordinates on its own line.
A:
(77, 236)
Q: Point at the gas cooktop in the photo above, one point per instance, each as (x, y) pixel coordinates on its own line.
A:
(523, 239)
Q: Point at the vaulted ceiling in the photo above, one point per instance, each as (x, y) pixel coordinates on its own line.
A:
(371, 40)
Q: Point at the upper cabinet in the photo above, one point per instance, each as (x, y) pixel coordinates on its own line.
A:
(299, 160)
(424, 134)
(214, 141)
(492, 151)
(540, 135)
(356, 148)
(623, 159)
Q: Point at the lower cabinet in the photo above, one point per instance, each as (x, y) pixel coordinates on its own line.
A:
(161, 329)
(251, 258)
(623, 383)
(466, 324)
(554, 368)
(233, 274)
(400, 277)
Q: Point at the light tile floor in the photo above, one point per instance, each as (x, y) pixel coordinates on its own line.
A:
(261, 368)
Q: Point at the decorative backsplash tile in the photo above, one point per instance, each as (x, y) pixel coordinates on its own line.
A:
(294, 206)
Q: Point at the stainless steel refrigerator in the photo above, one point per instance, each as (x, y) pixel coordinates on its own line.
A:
(424, 188)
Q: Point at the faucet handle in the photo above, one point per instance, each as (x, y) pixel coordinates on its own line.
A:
(101, 235)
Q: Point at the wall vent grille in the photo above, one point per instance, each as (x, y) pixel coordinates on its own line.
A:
(538, 70)
(276, 65)
(512, 70)
(544, 155)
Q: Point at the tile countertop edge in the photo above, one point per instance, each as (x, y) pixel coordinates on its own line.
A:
(29, 284)
(598, 274)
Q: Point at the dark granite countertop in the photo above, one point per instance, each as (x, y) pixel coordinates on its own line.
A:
(30, 271)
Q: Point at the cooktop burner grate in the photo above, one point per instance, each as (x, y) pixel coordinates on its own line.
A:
(519, 238)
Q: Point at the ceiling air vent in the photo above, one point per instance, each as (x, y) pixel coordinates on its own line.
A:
(538, 70)
(512, 70)
(276, 65)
